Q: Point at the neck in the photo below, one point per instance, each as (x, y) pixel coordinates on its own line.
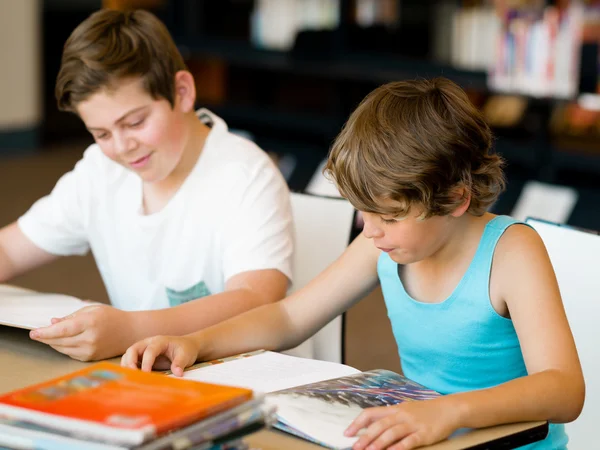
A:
(464, 234)
(194, 144)
(157, 195)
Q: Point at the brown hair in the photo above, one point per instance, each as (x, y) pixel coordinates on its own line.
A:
(416, 142)
(111, 45)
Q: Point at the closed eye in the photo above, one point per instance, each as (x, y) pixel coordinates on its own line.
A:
(101, 136)
(393, 220)
(137, 124)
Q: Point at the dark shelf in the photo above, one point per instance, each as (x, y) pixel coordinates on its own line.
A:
(574, 159)
(351, 66)
(517, 152)
(321, 126)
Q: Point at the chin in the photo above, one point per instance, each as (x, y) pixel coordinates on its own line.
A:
(402, 258)
(150, 177)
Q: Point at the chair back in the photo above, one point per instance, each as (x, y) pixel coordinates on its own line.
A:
(574, 254)
(322, 227)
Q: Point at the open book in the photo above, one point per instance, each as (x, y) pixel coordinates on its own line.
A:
(315, 400)
(22, 308)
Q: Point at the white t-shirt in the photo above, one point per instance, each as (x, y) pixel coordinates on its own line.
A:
(232, 214)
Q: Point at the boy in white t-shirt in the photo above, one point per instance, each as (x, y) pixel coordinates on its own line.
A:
(178, 211)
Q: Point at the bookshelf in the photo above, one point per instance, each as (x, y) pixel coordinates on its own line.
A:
(293, 98)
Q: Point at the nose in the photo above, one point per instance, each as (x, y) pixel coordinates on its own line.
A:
(123, 143)
(370, 229)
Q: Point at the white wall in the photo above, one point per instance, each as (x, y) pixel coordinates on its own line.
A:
(20, 65)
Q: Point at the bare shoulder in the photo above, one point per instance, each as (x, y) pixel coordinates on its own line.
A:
(519, 243)
(521, 261)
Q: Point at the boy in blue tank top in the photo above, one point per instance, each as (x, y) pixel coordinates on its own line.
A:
(472, 297)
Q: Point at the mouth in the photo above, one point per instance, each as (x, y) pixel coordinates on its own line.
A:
(140, 162)
(386, 250)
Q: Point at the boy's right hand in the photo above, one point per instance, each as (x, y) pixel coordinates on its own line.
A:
(162, 352)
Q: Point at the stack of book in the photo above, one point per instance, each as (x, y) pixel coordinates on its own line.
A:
(108, 407)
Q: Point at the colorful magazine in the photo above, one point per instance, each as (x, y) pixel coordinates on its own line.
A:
(320, 412)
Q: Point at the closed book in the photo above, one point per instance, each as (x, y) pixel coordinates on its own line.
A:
(116, 405)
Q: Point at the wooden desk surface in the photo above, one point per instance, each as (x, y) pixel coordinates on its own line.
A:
(24, 362)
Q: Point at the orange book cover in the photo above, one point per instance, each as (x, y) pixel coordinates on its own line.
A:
(110, 403)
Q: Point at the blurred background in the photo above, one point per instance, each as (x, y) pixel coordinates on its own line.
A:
(287, 73)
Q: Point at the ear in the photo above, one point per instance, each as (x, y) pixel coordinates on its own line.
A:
(463, 193)
(185, 91)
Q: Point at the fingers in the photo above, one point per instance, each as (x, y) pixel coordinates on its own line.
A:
(366, 418)
(132, 355)
(62, 329)
(75, 341)
(409, 442)
(155, 348)
(384, 433)
(72, 352)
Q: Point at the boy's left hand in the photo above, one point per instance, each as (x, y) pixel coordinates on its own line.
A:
(91, 333)
(405, 426)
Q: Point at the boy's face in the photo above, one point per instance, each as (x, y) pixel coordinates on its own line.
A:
(408, 239)
(141, 133)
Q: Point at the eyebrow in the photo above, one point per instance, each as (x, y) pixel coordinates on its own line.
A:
(123, 117)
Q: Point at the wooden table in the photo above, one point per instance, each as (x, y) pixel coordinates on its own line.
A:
(24, 362)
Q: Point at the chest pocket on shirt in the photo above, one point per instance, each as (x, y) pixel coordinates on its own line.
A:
(179, 297)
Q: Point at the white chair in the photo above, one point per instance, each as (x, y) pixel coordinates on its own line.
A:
(575, 255)
(323, 226)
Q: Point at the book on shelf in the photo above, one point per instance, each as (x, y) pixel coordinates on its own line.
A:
(108, 407)
(315, 400)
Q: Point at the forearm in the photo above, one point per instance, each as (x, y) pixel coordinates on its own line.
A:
(194, 315)
(552, 395)
(267, 327)
(18, 254)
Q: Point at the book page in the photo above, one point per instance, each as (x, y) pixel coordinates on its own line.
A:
(322, 411)
(269, 372)
(30, 310)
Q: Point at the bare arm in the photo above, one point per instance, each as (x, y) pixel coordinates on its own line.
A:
(101, 331)
(278, 325)
(288, 323)
(18, 254)
(554, 390)
(243, 292)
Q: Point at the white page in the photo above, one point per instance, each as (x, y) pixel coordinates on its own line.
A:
(317, 418)
(30, 310)
(269, 372)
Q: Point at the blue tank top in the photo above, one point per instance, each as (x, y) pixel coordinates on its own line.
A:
(462, 343)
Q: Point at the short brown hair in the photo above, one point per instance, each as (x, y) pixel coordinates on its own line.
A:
(416, 142)
(111, 45)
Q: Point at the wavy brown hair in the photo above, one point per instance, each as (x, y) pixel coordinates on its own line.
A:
(111, 45)
(416, 143)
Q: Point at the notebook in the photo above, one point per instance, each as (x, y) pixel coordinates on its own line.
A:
(315, 400)
(22, 308)
(116, 405)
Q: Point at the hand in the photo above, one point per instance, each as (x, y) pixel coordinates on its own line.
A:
(91, 333)
(405, 426)
(162, 352)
